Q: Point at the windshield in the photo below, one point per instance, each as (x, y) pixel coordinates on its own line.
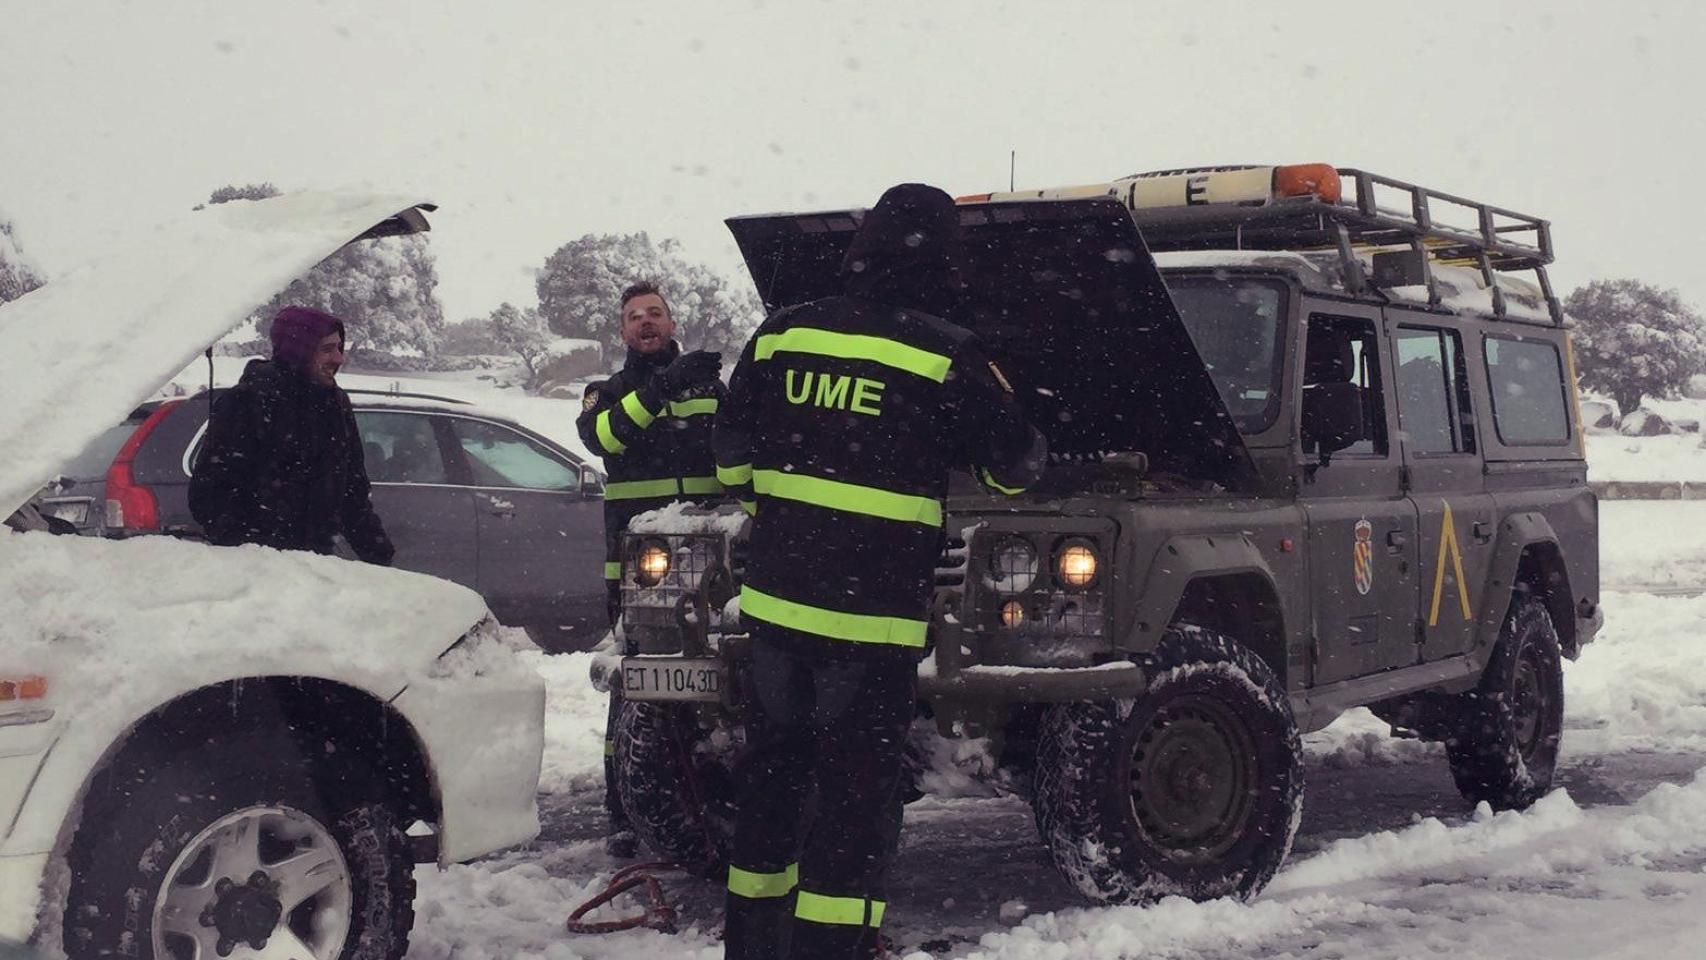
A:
(93, 462)
(1235, 324)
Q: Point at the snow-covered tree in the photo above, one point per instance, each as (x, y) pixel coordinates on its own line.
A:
(18, 275)
(523, 333)
(384, 289)
(1634, 339)
(582, 282)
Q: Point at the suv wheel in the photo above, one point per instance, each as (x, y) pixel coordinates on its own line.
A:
(219, 850)
(1504, 745)
(676, 783)
(1194, 789)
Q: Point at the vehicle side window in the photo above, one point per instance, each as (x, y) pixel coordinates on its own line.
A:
(1526, 379)
(400, 448)
(1433, 392)
(500, 457)
(1346, 350)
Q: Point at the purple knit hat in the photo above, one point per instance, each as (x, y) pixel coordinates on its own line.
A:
(297, 331)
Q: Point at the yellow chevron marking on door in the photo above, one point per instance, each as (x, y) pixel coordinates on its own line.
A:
(1448, 539)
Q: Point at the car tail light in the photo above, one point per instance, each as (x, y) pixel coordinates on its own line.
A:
(132, 507)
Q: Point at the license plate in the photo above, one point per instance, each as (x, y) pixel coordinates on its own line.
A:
(658, 678)
(71, 511)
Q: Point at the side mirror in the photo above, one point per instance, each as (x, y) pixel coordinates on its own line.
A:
(592, 485)
(1334, 416)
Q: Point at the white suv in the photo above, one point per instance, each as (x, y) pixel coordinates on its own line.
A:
(210, 752)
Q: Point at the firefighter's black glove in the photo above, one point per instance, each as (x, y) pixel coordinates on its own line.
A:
(689, 370)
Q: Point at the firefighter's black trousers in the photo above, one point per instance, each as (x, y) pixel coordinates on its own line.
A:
(806, 874)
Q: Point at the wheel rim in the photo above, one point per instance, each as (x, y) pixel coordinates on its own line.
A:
(1192, 780)
(268, 882)
(1530, 702)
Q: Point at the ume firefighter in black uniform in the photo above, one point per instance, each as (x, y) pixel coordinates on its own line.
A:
(652, 424)
(843, 421)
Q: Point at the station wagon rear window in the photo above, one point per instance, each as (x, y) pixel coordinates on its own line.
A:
(1526, 378)
(1235, 324)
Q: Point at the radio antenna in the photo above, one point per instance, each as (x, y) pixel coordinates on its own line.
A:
(1012, 165)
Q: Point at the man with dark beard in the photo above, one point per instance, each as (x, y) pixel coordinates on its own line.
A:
(651, 422)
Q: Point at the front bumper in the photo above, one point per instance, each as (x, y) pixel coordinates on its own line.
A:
(484, 742)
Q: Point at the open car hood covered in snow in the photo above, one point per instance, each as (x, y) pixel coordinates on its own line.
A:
(81, 352)
(1068, 299)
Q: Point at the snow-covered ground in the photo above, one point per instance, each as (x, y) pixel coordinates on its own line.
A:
(1390, 862)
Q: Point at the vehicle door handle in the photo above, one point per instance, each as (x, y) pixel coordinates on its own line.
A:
(1481, 531)
(1396, 541)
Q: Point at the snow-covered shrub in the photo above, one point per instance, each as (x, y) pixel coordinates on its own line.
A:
(1634, 339)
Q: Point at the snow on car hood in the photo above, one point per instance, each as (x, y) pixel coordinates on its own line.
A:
(84, 350)
(114, 621)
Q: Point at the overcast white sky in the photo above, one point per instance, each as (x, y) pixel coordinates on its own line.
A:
(532, 123)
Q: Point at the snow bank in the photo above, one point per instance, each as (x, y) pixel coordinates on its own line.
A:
(574, 722)
(1642, 684)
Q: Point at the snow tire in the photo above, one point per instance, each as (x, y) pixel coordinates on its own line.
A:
(140, 817)
(676, 785)
(1121, 785)
(1504, 747)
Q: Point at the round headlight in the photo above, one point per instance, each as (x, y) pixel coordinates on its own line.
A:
(1013, 566)
(652, 563)
(1012, 614)
(1076, 566)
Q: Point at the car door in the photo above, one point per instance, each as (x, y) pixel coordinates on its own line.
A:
(1362, 528)
(1446, 482)
(541, 537)
(427, 512)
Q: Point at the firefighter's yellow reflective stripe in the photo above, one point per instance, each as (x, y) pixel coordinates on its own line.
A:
(667, 487)
(637, 411)
(750, 506)
(989, 481)
(841, 911)
(635, 489)
(855, 346)
(736, 475)
(612, 570)
(848, 497)
(701, 485)
(763, 886)
(835, 624)
(688, 408)
(606, 437)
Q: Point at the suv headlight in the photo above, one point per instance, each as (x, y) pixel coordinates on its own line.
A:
(1076, 564)
(651, 563)
(1013, 566)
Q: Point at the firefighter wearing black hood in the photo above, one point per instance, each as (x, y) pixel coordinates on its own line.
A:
(652, 424)
(844, 418)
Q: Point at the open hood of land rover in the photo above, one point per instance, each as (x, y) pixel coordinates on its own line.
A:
(81, 352)
(1068, 300)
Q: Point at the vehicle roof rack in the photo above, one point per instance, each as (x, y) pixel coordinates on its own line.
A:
(1305, 207)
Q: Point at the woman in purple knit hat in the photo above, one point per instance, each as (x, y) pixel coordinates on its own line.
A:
(281, 465)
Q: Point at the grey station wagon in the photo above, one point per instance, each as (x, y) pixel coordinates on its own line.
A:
(466, 494)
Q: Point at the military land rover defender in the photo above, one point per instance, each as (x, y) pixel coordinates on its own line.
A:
(1314, 446)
